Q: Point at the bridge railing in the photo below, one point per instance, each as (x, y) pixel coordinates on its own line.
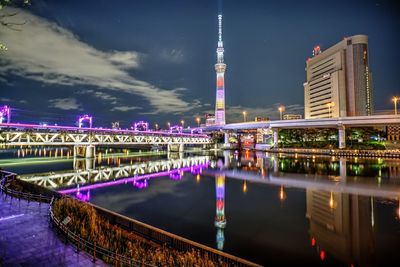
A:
(53, 128)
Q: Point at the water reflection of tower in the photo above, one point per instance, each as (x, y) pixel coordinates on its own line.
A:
(341, 225)
(220, 220)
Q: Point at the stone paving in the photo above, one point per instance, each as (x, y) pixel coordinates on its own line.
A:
(27, 239)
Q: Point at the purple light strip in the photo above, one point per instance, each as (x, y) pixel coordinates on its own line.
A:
(130, 179)
(106, 130)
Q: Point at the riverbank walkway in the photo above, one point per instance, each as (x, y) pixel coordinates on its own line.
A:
(27, 238)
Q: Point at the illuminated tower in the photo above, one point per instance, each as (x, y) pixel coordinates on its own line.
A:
(220, 70)
(220, 221)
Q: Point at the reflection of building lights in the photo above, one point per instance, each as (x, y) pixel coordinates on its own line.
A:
(282, 194)
(332, 202)
(198, 178)
(398, 210)
(244, 187)
(322, 255)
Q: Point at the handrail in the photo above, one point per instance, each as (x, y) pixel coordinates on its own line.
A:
(6, 175)
(90, 247)
(161, 237)
(340, 152)
(148, 232)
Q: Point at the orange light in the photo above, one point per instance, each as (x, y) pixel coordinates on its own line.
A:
(198, 178)
(244, 187)
(282, 194)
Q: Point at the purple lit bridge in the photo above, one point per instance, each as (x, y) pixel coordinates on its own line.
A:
(85, 140)
(103, 176)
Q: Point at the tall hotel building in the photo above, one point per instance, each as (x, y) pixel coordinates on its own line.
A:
(339, 81)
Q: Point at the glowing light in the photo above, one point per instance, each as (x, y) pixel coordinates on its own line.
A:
(83, 118)
(332, 202)
(395, 99)
(198, 178)
(282, 193)
(244, 187)
(313, 241)
(140, 126)
(322, 255)
(281, 109)
(5, 114)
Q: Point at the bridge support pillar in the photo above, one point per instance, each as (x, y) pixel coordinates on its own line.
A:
(226, 158)
(343, 169)
(175, 147)
(226, 139)
(342, 137)
(275, 134)
(84, 164)
(85, 151)
(276, 162)
(226, 144)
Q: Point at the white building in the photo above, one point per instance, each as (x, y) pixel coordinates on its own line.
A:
(339, 80)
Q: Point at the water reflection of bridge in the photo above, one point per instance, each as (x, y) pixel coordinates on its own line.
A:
(62, 179)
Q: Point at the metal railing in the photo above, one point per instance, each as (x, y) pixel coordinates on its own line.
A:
(394, 153)
(6, 176)
(92, 248)
(146, 231)
(162, 237)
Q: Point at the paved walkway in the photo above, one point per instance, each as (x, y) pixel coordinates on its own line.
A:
(27, 239)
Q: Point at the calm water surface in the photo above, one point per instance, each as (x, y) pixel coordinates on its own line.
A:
(268, 208)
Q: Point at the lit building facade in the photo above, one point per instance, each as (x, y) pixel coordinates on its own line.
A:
(220, 67)
(210, 119)
(339, 81)
(292, 116)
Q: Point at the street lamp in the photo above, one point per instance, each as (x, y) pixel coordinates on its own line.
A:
(244, 116)
(169, 125)
(281, 109)
(183, 123)
(156, 125)
(198, 121)
(395, 98)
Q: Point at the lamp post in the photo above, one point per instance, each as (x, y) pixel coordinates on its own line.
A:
(281, 109)
(183, 123)
(156, 125)
(395, 98)
(169, 125)
(244, 116)
(198, 121)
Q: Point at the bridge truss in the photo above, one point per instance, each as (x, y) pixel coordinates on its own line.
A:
(64, 179)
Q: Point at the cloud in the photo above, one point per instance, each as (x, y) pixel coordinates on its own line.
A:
(68, 103)
(124, 108)
(48, 53)
(125, 59)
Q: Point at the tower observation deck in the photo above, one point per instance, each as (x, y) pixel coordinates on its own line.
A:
(220, 67)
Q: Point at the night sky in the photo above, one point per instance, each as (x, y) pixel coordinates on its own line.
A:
(154, 59)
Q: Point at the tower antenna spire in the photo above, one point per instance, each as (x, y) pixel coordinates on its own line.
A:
(220, 67)
(219, 30)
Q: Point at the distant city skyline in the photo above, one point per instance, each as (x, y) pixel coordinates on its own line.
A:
(154, 60)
